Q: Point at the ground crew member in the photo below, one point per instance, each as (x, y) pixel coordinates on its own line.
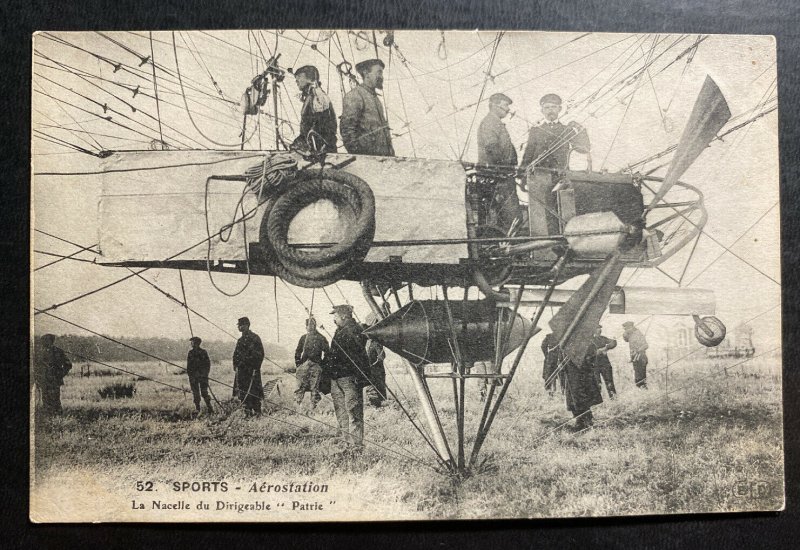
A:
(198, 367)
(549, 144)
(582, 391)
(50, 367)
(638, 346)
(495, 149)
(375, 392)
(365, 130)
(308, 358)
(602, 366)
(247, 359)
(550, 371)
(317, 112)
(346, 366)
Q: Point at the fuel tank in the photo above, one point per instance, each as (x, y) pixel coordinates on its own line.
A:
(420, 331)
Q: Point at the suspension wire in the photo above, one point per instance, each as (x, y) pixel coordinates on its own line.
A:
(406, 454)
(81, 249)
(186, 303)
(483, 90)
(63, 257)
(421, 125)
(627, 107)
(133, 373)
(63, 143)
(106, 108)
(73, 131)
(155, 86)
(727, 249)
(132, 70)
(189, 113)
(355, 364)
(136, 91)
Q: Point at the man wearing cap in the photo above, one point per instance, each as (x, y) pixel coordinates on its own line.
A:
(347, 365)
(365, 130)
(50, 367)
(247, 359)
(550, 143)
(602, 366)
(495, 149)
(317, 112)
(638, 346)
(308, 358)
(198, 367)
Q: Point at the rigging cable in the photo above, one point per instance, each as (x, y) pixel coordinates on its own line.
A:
(155, 87)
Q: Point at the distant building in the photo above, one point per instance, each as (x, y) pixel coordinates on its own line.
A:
(682, 342)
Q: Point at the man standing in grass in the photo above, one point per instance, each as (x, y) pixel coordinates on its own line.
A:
(347, 365)
(198, 367)
(638, 347)
(602, 366)
(247, 359)
(308, 358)
(50, 367)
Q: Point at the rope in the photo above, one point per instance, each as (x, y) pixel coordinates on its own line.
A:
(155, 86)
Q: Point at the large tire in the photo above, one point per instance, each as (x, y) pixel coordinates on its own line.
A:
(318, 268)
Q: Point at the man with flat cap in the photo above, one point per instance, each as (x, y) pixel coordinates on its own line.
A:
(550, 143)
(365, 130)
(247, 359)
(638, 346)
(50, 366)
(316, 114)
(347, 365)
(198, 367)
(495, 149)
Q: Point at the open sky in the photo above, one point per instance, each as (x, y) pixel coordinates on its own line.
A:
(429, 76)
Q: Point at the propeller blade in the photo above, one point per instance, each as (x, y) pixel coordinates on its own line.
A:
(710, 113)
(577, 319)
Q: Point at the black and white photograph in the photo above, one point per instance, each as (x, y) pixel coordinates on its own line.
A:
(294, 275)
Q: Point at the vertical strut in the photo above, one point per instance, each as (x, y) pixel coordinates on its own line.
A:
(439, 444)
(459, 367)
(484, 431)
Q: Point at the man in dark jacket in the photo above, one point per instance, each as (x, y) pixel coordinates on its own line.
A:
(347, 365)
(308, 358)
(550, 143)
(582, 391)
(247, 359)
(198, 367)
(496, 149)
(365, 130)
(602, 366)
(50, 367)
(550, 372)
(317, 112)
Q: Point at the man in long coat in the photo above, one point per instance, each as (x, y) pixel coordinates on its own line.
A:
(347, 367)
(247, 359)
(365, 130)
(50, 367)
(582, 391)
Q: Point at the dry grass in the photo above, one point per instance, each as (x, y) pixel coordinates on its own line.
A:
(704, 440)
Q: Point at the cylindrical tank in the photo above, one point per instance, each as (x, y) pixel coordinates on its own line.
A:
(421, 333)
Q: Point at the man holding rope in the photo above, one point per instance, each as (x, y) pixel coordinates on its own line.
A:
(550, 143)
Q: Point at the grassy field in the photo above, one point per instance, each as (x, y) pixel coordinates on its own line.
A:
(703, 439)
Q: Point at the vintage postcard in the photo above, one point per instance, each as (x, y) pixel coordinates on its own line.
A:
(369, 275)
